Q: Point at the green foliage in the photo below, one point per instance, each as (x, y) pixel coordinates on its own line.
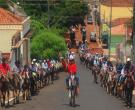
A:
(36, 26)
(47, 44)
(3, 4)
(63, 14)
(68, 13)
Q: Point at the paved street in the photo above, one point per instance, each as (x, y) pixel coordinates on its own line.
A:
(92, 96)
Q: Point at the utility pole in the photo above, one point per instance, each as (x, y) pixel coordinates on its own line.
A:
(133, 34)
(48, 7)
(100, 20)
(109, 40)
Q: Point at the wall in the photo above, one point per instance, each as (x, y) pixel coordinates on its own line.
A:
(5, 40)
(117, 12)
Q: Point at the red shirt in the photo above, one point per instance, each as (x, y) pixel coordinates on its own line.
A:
(49, 64)
(4, 68)
(72, 69)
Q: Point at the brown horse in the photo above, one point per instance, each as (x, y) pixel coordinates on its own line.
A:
(4, 87)
(26, 88)
(16, 87)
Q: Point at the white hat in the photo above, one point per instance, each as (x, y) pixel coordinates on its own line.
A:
(34, 60)
(128, 59)
(71, 57)
(72, 52)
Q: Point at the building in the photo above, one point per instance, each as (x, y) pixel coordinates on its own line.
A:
(120, 9)
(14, 36)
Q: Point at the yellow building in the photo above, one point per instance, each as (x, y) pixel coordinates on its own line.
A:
(117, 12)
(14, 36)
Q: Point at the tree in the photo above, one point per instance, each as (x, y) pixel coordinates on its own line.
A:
(62, 13)
(69, 13)
(3, 4)
(47, 44)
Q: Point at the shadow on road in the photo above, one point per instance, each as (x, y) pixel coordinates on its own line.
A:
(76, 105)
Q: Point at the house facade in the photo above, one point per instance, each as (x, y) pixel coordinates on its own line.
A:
(120, 9)
(15, 37)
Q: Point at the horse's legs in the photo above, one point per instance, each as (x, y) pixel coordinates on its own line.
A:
(8, 95)
(18, 95)
(24, 95)
(4, 98)
(14, 97)
(27, 94)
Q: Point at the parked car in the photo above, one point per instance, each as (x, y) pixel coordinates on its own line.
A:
(90, 20)
(93, 37)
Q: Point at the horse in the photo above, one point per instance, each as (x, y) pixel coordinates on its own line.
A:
(95, 72)
(15, 81)
(111, 82)
(120, 90)
(4, 87)
(129, 86)
(26, 88)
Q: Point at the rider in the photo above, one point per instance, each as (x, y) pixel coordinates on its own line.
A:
(72, 70)
(4, 67)
(127, 66)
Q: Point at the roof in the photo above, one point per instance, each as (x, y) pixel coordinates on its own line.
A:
(118, 3)
(118, 30)
(96, 50)
(120, 21)
(7, 17)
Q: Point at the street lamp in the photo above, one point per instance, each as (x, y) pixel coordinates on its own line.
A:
(100, 20)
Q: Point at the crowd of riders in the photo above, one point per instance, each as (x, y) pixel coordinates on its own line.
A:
(28, 79)
(117, 78)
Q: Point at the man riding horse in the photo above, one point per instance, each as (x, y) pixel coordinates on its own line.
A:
(4, 70)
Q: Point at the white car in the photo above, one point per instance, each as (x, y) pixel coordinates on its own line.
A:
(93, 37)
(90, 20)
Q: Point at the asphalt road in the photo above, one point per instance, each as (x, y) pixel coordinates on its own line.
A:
(54, 97)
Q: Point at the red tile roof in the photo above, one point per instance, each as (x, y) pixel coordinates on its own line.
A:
(118, 3)
(7, 17)
(120, 21)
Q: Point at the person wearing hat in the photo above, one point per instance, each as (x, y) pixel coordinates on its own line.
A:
(4, 67)
(72, 70)
(127, 65)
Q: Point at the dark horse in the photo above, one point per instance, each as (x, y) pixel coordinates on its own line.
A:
(4, 87)
(26, 88)
(15, 80)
